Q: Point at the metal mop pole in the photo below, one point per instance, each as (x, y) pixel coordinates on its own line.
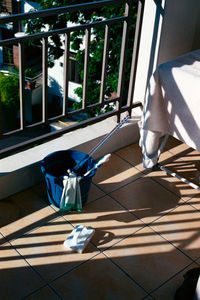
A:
(117, 127)
(100, 144)
(193, 185)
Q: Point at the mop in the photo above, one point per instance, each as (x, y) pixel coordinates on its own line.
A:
(71, 194)
(71, 197)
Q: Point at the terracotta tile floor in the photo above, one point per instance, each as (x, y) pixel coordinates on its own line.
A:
(146, 234)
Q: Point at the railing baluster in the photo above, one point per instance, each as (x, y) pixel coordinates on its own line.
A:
(21, 85)
(135, 53)
(44, 78)
(66, 74)
(104, 64)
(86, 66)
(123, 60)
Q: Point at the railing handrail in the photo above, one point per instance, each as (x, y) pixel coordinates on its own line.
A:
(59, 10)
(46, 34)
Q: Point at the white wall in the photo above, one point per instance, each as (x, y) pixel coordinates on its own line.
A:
(169, 30)
(179, 28)
(149, 45)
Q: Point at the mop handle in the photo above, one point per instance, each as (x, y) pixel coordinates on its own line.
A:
(99, 163)
(117, 127)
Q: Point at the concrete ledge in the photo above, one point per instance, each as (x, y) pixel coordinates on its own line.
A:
(22, 170)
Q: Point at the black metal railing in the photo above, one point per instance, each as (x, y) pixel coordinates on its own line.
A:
(118, 101)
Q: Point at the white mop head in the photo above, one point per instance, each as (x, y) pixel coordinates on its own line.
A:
(79, 238)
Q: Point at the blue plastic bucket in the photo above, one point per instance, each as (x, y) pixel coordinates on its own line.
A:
(55, 165)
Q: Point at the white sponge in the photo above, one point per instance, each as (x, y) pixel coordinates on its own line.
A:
(79, 238)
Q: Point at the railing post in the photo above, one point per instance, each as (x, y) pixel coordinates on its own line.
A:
(123, 59)
(104, 64)
(44, 78)
(22, 85)
(135, 53)
(66, 74)
(86, 66)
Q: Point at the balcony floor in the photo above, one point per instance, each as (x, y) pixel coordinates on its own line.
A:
(146, 234)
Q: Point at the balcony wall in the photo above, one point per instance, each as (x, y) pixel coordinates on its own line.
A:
(22, 170)
(170, 28)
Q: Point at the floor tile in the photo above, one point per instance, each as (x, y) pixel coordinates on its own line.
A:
(94, 193)
(186, 168)
(23, 212)
(132, 154)
(168, 290)
(195, 202)
(97, 279)
(175, 146)
(166, 157)
(148, 258)
(181, 227)
(190, 167)
(146, 199)
(110, 221)
(115, 174)
(43, 248)
(17, 278)
(42, 294)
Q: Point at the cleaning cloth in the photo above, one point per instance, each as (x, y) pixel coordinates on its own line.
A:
(79, 238)
(71, 195)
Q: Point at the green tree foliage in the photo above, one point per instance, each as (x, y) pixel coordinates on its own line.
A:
(9, 91)
(96, 45)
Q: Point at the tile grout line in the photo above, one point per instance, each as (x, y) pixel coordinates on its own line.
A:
(37, 290)
(147, 297)
(74, 268)
(149, 225)
(32, 268)
(173, 244)
(184, 202)
(170, 278)
(116, 189)
(63, 217)
(35, 228)
(132, 165)
(46, 283)
(146, 172)
(122, 239)
(126, 273)
(146, 224)
(167, 189)
(168, 212)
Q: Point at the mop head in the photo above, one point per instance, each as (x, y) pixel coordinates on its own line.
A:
(79, 238)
